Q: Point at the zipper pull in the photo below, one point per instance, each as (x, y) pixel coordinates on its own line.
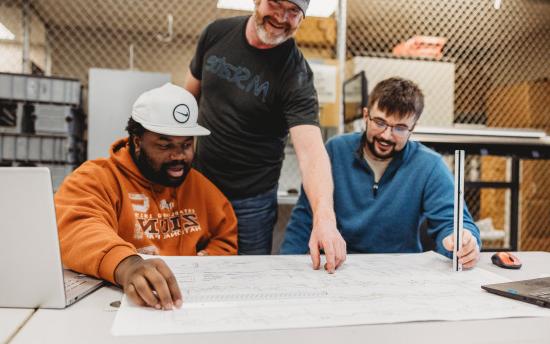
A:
(375, 189)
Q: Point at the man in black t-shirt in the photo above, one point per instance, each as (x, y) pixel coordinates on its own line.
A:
(254, 87)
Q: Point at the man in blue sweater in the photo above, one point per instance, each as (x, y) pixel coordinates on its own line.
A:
(386, 186)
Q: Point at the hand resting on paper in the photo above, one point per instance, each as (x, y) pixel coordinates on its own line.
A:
(326, 236)
(148, 282)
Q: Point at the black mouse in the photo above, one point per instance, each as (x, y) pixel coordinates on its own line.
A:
(506, 260)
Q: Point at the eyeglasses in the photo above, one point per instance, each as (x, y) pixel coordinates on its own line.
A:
(277, 5)
(399, 130)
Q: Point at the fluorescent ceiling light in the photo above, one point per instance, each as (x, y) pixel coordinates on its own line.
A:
(316, 8)
(5, 33)
(241, 5)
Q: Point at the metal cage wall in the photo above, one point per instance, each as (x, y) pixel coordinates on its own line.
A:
(500, 60)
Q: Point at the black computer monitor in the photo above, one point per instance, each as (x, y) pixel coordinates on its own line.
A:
(355, 97)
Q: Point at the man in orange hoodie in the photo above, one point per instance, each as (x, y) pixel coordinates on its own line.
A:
(145, 198)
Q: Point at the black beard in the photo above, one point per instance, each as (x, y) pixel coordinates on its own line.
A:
(380, 156)
(143, 162)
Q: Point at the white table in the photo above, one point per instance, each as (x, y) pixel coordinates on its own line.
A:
(90, 321)
(11, 320)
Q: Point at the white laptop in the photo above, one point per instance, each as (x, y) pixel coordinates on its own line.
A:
(31, 269)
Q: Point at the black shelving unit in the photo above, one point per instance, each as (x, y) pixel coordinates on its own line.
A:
(514, 147)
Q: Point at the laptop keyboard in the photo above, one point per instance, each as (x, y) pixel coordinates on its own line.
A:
(543, 293)
(72, 283)
(71, 286)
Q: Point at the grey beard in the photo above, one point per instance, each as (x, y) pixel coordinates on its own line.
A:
(266, 39)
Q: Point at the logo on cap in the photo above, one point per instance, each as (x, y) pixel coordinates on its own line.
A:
(181, 113)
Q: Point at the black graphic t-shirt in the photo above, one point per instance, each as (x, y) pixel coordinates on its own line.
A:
(249, 99)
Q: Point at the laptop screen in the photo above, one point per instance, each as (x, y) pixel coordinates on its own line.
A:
(29, 238)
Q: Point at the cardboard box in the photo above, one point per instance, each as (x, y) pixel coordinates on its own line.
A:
(534, 216)
(493, 202)
(318, 31)
(325, 72)
(535, 184)
(524, 105)
(535, 225)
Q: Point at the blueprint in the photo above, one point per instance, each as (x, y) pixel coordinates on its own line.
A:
(241, 293)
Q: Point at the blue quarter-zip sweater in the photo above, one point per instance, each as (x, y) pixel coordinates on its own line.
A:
(383, 217)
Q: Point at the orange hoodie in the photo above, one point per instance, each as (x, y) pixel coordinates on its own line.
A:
(106, 211)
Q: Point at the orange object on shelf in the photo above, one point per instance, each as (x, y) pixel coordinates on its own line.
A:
(421, 46)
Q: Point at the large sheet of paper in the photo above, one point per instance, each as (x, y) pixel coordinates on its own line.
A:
(275, 292)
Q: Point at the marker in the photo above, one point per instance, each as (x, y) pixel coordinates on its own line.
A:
(458, 207)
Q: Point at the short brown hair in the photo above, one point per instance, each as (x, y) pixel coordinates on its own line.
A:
(397, 97)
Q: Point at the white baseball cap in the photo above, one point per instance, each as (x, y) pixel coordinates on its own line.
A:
(168, 110)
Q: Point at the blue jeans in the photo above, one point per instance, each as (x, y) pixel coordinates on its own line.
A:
(256, 217)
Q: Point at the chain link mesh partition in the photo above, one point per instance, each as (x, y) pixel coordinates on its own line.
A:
(491, 49)
(501, 79)
(75, 35)
(499, 61)
(68, 37)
